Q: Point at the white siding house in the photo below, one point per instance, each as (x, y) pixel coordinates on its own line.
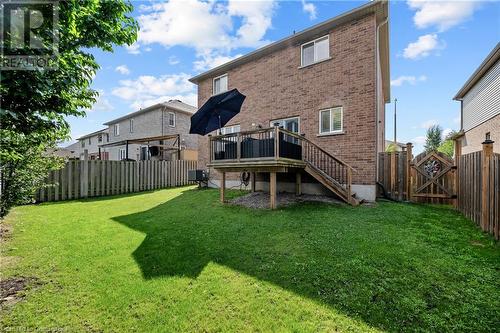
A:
(480, 99)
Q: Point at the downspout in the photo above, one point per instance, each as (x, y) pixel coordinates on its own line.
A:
(462, 114)
(377, 124)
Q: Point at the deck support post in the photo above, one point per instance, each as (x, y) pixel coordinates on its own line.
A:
(298, 183)
(252, 181)
(272, 189)
(222, 187)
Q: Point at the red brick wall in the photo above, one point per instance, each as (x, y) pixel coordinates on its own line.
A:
(276, 87)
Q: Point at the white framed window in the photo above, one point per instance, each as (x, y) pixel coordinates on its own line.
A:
(83, 143)
(131, 123)
(123, 154)
(116, 129)
(171, 119)
(291, 124)
(230, 129)
(315, 51)
(331, 121)
(99, 138)
(90, 140)
(220, 84)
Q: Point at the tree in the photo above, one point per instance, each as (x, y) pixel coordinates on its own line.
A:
(433, 138)
(448, 146)
(34, 103)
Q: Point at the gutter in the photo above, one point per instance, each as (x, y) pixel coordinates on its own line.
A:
(377, 106)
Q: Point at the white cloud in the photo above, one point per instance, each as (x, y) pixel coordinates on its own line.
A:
(172, 60)
(309, 8)
(420, 140)
(442, 14)
(422, 47)
(133, 49)
(122, 69)
(191, 99)
(445, 133)
(257, 19)
(408, 79)
(102, 103)
(207, 26)
(147, 90)
(210, 60)
(429, 123)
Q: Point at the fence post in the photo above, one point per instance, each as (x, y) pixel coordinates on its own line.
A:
(393, 175)
(84, 177)
(409, 157)
(485, 161)
(458, 153)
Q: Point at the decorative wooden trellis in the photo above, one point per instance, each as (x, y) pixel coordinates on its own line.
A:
(432, 178)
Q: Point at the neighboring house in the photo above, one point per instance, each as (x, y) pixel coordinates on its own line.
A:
(74, 150)
(159, 120)
(480, 105)
(329, 82)
(399, 146)
(91, 143)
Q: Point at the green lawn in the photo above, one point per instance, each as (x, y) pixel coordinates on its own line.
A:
(177, 260)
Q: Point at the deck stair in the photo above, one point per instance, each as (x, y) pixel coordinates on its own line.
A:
(333, 173)
(258, 151)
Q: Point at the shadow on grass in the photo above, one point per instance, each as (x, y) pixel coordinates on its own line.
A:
(396, 267)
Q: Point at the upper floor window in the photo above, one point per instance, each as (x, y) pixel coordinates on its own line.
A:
(83, 143)
(315, 51)
(230, 129)
(171, 119)
(116, 129)
(131, 123)
(90, 141)
(331, 121)
(99, 138)
(220, 84)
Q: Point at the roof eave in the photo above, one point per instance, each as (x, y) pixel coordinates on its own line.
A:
(487, 63)
(295, 38)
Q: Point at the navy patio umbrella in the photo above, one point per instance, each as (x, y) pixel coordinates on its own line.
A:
(216, 112)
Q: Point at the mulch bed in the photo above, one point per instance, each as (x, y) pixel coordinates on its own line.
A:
(260, 200)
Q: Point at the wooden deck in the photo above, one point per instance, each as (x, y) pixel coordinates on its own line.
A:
(258, 151)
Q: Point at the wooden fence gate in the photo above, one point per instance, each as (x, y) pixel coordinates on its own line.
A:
(432, 178)
(427, 178)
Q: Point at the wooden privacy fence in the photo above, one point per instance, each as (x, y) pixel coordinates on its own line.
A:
(93, 178)
(393, 174)
(479, 190)
(426, 178)
(471, 183)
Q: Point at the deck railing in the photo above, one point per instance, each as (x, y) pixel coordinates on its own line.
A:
(261, 145)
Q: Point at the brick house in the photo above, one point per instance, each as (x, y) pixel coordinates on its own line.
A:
(171, 118)
(480, 106)
(328, 83)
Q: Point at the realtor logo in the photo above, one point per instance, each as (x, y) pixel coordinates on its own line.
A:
(28, 34)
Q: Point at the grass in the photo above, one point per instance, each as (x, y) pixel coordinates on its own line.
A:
(177, 260)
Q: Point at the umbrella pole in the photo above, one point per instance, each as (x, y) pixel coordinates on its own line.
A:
(220, 126)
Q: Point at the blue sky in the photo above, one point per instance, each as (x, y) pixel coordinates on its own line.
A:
(434, 47)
